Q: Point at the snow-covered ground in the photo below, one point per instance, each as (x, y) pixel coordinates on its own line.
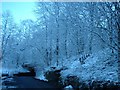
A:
(68, 88)
(11, 71)
(100, 65)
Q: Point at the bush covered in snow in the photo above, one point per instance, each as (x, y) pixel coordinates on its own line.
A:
(99, 66)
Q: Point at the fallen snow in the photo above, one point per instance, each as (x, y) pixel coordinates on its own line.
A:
(41, 77)
(68, 87)
(11, 71)
(98, 66)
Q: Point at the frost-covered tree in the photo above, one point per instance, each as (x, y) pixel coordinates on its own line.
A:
(64, 30)
(9, 38)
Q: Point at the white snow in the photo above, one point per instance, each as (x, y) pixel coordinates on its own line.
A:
(41, 77)
(98, 66)
(11, 71)
(68, 87)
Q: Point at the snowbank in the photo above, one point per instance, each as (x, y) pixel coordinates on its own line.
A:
(11, 71)
(68, 88)
(41, 77)
(98, 66)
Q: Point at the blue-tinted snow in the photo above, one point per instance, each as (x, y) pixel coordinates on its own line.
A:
(97, 66)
